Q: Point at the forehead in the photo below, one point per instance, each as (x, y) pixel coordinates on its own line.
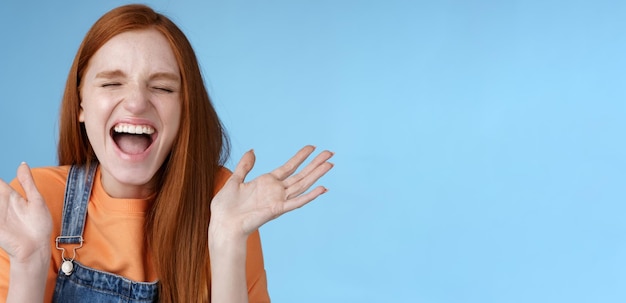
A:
(139, 50)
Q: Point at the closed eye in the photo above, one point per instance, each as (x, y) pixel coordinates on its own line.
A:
(112, 84)
(164, 89)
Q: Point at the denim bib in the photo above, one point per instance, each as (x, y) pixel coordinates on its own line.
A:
(76, 282)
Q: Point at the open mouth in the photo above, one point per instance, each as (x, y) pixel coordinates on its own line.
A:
(133, 139)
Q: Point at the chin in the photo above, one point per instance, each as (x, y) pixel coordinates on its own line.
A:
(134, 177)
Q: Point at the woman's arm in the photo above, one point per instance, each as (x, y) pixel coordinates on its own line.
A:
(228, 266)
(28, 278)
(25, 227)
(242, 207)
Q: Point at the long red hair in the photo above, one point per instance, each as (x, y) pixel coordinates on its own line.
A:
(177, 224)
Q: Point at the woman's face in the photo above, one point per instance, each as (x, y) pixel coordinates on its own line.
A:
(131, 107)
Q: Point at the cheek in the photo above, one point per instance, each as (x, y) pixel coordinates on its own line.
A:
(171, 115)
(94, 116)
(96, 106)
(89, 113)
(174, 126)
(176, 118)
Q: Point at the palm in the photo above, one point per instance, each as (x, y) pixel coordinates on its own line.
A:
(25, 224)
(245, 206)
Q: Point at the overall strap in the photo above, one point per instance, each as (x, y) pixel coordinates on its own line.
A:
(77, 192)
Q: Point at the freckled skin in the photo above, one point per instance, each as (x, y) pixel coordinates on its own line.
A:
(133, 78)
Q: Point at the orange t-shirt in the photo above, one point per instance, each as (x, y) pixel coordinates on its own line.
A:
(114, 238)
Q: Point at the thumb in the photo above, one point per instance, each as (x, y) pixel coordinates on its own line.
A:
(25, 177)
(244, 166)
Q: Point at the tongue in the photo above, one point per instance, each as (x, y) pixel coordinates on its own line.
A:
(132, 144)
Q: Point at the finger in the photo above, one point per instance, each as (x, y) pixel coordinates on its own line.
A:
(25, 177)
(290, 166)
(319, 160)
(5, 188)
(305, 183)
(244, 166)
(304, 199)
(7, 194)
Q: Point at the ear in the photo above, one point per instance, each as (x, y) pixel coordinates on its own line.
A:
(81, 115)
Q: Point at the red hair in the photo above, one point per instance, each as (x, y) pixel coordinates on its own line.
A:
(178, 222)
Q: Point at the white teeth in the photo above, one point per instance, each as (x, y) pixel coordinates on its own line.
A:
(134, 129)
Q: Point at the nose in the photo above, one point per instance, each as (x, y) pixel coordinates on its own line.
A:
(137, 100)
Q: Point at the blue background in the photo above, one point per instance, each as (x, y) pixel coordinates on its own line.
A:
(480, 144)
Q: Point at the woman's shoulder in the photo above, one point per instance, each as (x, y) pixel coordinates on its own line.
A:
(224, 172)
(53, 175)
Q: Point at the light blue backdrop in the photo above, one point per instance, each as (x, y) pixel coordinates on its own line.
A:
(480, 144)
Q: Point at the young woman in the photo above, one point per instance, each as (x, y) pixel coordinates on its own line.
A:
(140, 208)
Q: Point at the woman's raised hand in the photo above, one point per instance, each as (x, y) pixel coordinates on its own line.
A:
(242, 207)
(25, 224)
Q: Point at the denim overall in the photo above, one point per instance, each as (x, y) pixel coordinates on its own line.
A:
(78, 283)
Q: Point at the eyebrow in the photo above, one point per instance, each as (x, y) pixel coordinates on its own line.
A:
(120, 74)
(110, 74)
(165, 76)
